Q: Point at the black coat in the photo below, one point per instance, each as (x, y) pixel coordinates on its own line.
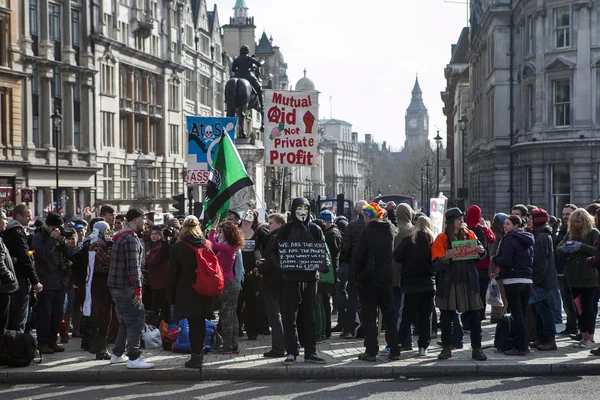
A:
(8, 278)
(333, 238)
(544, 269)
(15, 240)
(269, 267)
(182, 275)
(417, 268)
(350, 240)
(377, 239)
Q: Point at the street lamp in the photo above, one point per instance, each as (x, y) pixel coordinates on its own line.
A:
(462, 125)
(427, 165)
(438, 142)
(56, 121)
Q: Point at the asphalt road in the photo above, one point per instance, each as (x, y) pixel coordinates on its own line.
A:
(511, 388)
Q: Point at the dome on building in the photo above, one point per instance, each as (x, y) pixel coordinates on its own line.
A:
(304, 83)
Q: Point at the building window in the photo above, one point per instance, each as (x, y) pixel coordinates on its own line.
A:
(125, 181)
(151, 91)
(77, 134)
(560, 176)
(529, 185)
(173, 96)
(108, 121)
(174, 181)
(598, 96)
(122, 84)
(4, 39)
(530, 120)
(54, 22)
(220, 99)
(154, 46)
(56, 85)
(109, 182)
(205, 45)
(123, 133)
(137, 87)
(189, 35)
(138, 135)
(35, 127)
(205, 97)
(33, 18)
(108, 79)
(562, 29)
(140, 41)
(75, 27)
(530, 35)
(562, 103)
(174, 134)
(108, 22)
(124, 32)
(189, 85)
(152, 144)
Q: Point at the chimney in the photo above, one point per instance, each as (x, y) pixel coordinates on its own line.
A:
(354, 137)
(368, 138)
(384, 145)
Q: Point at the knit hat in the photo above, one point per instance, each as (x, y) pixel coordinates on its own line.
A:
(453, 213)
(133, 213)
(54, 219)
(325, 216)
(501, 217)
(473, 216)
(78, 227)
(539, 217)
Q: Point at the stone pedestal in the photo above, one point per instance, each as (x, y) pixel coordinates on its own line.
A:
(252, 154)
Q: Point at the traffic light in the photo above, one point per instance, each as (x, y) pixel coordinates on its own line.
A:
(180, 203)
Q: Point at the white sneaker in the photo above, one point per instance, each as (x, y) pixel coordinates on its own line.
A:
(118, 360)
(139, 363)
(422, 352)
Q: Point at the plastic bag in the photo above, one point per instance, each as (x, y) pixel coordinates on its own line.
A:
(493, 296)
(151, 337)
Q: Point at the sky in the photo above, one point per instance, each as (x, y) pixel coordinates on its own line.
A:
(364, 55)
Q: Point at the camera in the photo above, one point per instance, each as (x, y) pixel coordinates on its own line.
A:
(168, 232)
(66, 233)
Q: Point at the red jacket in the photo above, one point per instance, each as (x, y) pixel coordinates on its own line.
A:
(473, 218)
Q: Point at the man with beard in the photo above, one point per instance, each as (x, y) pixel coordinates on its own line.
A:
(299, 288)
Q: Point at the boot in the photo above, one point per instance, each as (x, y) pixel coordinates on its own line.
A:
(446, 353)
(45, 348)
(195, 361)
(535, 344)
(478, 354)
(101, 351)
(77, 315)
(549, 345)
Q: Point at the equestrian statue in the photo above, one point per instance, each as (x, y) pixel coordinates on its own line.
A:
(244, 92)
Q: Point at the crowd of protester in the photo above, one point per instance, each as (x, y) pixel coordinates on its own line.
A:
(386, 269)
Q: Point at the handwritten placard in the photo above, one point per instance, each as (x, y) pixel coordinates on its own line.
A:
(464, 250)
(302, 256)
(249, 245)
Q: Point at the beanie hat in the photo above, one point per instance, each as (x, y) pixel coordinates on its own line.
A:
(54, 219)
(473, 215)
(539, 217)
(501, 217)
(325, 216)
(453, 213)
(133, 213)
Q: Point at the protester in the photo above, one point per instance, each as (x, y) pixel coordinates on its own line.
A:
(561, 258)
(108, 213)
(233, 216)
(125, 284)
(15, 239)
(514, 266)
(119, 222)
(226, 241)
(458, 284)
(299, 288)
(8, 278)
(270, 270)
(181, 276)
(544, 280)
(417, 282)
(582, 277)
(52, 266)
(333, 238)
(497, 312)
(72, 306)
(101, 245)
(157, 263)
(346, 273)
(373, 274)
(404, 216)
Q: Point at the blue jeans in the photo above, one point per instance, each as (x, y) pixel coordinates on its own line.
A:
(568, 304)
(132, 323)
(49, 315)
(544, 319)
(19, 306)
(556, 306)
(273, 309)
(341, 292)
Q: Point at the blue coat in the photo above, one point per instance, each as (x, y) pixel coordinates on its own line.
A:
(515, 255)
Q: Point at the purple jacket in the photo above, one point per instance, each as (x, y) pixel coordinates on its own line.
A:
(515, 255)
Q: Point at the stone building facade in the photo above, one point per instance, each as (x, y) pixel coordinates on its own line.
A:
(341, 159)
(553, 146)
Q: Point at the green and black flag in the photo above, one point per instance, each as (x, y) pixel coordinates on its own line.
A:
(227, 177)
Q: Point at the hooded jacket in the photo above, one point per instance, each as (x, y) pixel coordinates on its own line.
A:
(483, 233)
(15, 240)
(404, 217)
(350, 240)
(268, 267)
(544, 270)
(333, 238)
(515, 255)
(8, 278)
(377, 239)
(578, 272)
(417, 268)
(300, 231)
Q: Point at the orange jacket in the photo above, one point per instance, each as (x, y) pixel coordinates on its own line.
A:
(440, 245)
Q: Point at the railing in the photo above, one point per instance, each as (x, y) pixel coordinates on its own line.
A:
(125, 104)
(141, 107)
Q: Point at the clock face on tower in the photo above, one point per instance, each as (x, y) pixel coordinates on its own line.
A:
(412, 123)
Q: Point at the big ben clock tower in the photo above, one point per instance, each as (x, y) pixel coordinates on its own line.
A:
(416, 125)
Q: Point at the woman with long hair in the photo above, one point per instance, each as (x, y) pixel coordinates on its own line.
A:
(417, 282)
(498, 228)
(514, 264)
(581, 276)
(458, 283)
(227, 240)
(180, 293)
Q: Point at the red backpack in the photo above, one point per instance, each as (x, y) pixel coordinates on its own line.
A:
(209, 274)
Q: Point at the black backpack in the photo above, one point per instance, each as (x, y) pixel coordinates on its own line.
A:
(17, 349)
(505, 338)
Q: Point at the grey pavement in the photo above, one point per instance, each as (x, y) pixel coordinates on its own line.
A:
(75, 365)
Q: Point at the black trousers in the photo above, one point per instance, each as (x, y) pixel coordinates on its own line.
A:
(4, 311)
(417, 310)
(293, 296)
(249, 298)
(447, 320)
(517, 295)
(484, 281)
(160, 307)
(197, 334)
(589, 302)
(370, 299)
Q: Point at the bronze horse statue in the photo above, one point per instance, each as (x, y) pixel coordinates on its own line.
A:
(240, 98)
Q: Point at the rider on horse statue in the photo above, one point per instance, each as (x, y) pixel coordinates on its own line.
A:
(245, 66)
